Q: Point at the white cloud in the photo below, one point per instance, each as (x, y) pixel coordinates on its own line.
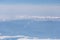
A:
(18, 36)
(36, 39)
(22, 37)
(39, 18)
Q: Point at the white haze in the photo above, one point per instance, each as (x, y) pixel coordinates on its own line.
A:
(18, 17)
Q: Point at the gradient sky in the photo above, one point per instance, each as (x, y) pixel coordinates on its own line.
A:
(30, 7)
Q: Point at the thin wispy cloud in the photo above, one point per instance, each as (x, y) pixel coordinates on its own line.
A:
(21, 37)
(39, 18)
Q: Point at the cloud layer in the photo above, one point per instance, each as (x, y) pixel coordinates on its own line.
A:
(39, 18)
(21, 37)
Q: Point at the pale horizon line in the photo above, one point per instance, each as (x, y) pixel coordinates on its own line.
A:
(18, 17)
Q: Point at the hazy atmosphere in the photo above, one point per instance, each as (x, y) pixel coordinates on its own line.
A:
(29, 19)
(30, 7)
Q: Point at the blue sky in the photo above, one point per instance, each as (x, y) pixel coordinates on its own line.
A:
(31, 1)
(30, 7)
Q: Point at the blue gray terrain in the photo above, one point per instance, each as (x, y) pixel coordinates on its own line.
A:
(33, 28)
